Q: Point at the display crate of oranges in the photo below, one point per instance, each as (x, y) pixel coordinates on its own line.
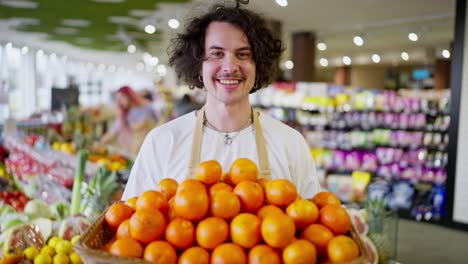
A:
(233, 217)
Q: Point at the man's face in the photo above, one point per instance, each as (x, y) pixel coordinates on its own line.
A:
(229, 69)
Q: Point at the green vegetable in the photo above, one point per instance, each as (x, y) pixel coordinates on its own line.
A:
(82, 157)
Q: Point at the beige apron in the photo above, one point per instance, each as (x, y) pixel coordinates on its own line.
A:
(264, 171)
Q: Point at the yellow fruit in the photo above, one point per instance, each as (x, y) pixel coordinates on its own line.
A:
(74, 239)
(43, 259)
(47, 250)
(53, 241)
(61, 259)
(64, 247)
(31, 252)
(75, 258)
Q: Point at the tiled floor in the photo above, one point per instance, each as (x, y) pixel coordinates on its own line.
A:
(428, 243)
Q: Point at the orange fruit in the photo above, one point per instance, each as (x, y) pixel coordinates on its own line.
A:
(171, 212)
(209, 172)
(280, 192)
(160, 252)
(303, 212)
(336, 218)
(132, 202)
(147, 226)
(319, 235)
(124, 229)
(267, 210)
(245, 230)
(126, 247)
(251, 196)
(226, 178)
(263, 254)
(342, 249)
(192, 204)
(151, 201)
(224, 204)
(228, 253)
(243, 169)
(323, 198)
(168, 187)
(180, 233)
(194, 255)
(191, 184)
(116, 214)
(277, 230)
(263, 182)
(211, 232)
(218, 187)
(300, 251)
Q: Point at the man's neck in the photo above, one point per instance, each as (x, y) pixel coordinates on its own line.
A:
(228, 118)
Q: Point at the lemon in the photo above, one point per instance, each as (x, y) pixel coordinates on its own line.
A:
(74, 239)
(43, 259)
(75, 258)
(61, 258)
(64, 247)
(31, 252)
(53, 241)
(47, 250)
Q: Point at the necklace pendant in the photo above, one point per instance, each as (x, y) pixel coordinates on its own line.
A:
(227, 139)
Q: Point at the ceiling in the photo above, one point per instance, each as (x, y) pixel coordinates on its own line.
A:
(100, 30)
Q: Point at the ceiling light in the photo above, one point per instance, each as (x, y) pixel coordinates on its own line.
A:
(446, 54)
(150, 29)
(131, 48)
(405, 55)
(376, 58)
(19, 4)
(413, 36)
(282, 3)
(8, 45)
(161, 69)
(173, 23)
(322, 46)
(24, 50)
(75, 22)
(358, 40)
(346, 60)
(323, 62)
(84, 41)
(289, 64)
(66, 31)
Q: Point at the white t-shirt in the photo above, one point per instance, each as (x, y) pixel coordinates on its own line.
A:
(165, 153)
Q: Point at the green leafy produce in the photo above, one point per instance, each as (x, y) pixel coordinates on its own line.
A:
(82, 157)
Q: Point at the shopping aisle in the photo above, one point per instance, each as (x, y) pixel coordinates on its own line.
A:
(427, 243)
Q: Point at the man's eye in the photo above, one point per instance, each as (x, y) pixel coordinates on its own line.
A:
(243, 55)
(216, 54)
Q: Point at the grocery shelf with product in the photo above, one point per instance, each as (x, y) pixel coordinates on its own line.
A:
(358, 137)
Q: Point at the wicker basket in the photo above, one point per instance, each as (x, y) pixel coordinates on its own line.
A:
(99, 234)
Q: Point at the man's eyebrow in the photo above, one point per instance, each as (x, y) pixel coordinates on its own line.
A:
(220, 48)
(244, 48)
(215, 47)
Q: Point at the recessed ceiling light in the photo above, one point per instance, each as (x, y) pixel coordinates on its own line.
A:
(347, 60)
(75, 22)
(358, 40)
(19, 4)
(376, 58)
(161, 70)
(122, 20)
(405, 55)
(289, 64)
(66, 31)
(131, 48)
(150, 29)
(173, 23)
(282, 3)
(413, 36)
(322, 46)
(323, 62)
(446, 54)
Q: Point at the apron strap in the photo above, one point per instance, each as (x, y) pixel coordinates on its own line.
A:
(264, 170)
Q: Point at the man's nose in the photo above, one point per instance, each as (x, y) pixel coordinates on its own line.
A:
(230, 64)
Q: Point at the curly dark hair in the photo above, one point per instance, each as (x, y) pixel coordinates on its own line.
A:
(186, 53)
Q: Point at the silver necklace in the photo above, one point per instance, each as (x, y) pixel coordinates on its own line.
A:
(228, 138)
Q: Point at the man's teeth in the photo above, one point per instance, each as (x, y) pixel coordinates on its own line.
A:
(229, 81)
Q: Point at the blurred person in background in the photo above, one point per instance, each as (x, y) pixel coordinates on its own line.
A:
(185, 105)
(135, 117)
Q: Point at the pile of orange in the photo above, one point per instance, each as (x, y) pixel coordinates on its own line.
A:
(230, 218)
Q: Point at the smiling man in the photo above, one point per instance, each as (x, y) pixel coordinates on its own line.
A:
(231, 53)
